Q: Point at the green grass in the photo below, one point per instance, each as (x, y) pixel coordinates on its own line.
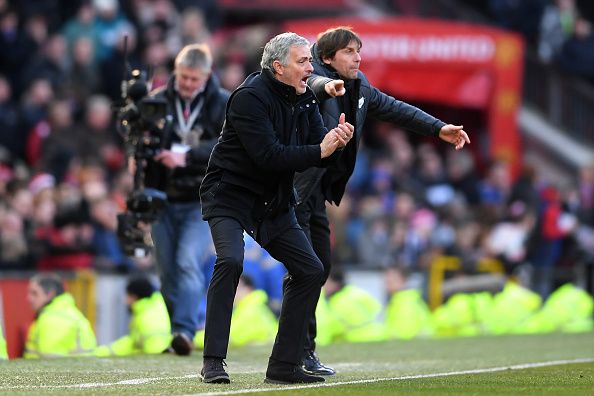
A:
(420, 367)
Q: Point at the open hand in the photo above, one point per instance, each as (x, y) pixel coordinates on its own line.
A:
(455, 135)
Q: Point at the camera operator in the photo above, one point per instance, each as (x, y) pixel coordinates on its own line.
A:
(195, 110)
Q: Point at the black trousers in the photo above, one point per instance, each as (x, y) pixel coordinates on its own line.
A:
(301, 294)
(312, 218)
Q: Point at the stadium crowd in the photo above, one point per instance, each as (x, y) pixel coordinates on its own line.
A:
(63, 178)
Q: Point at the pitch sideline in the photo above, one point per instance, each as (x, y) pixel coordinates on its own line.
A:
(405, 377)
(139, 381)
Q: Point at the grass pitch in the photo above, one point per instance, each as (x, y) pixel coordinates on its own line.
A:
(555, 364)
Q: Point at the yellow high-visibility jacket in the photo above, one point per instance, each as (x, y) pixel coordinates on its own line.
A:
(150, 330)
(3, 351)
(60, 329)
(568, 309)
(252, 322)
(512, 307)
(408, 316)
(354, 315)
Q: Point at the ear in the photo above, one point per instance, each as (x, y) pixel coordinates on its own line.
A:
(278, 67)
(327, 60)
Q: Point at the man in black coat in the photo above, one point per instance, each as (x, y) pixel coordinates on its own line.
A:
(336, 74)
(196, 110)
(272, 129)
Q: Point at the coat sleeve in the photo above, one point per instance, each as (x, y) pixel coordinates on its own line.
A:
(386, 108)
(250, 117)
(318, 85)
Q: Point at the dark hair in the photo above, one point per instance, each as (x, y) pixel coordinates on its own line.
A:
(248, 281)
(140, 286)
(337, 275)
(49, 282)
(335, 39)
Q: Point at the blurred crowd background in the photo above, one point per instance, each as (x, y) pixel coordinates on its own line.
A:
(411, 201)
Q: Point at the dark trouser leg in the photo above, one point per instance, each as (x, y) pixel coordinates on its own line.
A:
(227, 235)
(312, 217)
(301, 293)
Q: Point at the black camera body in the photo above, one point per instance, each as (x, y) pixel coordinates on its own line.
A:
(141, 121)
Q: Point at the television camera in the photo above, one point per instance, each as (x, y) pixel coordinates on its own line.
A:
(141, 120)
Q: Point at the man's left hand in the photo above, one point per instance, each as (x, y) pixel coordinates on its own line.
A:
(171, 159)
(455, 135)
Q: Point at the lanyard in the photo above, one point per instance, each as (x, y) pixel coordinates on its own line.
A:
(185, 125)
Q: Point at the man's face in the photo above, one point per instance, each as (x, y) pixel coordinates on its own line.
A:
(297, 70)
(189, 80)
(37, 296)
(346, 61)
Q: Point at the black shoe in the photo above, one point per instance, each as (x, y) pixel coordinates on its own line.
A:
(312, 365)
(213, 371)
(289, 374)
(181, 344)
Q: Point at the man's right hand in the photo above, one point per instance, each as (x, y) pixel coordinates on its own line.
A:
(335, 88)
(337, 137)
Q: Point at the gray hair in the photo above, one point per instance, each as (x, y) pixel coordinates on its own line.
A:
(49, 282)
(195, 56)
(278, 48)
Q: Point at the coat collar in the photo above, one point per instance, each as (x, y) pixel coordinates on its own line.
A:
(287, 92)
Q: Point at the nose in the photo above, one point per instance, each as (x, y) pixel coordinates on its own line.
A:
(357, 57)
(309, 67)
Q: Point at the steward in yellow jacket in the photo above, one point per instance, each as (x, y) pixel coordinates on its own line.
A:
(3, 351)
(150, 327)
(59, 328)
(512, 307)
(407, 314)
(568, 309)
(252, 321)
(463, 315)
(353, 312)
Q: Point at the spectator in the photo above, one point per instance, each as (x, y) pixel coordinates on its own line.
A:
(81, 26)
(107, 252)
(554, 225)
(97, 141)
(109, 26)
(66, 245)
(51, 64)
(34, 107)
(9, 119)
(83, 78)
(52, 143)
(59, 328)
(17, 47)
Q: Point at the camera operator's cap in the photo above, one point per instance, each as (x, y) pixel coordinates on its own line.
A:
(40, 182)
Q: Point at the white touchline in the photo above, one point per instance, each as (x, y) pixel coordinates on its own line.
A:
(138, 381)
(405, 377)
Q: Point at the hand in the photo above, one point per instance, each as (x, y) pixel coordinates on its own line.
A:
(335, 88)
(455, 135)
(344, 130)
(337, 137)
(171, 159)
